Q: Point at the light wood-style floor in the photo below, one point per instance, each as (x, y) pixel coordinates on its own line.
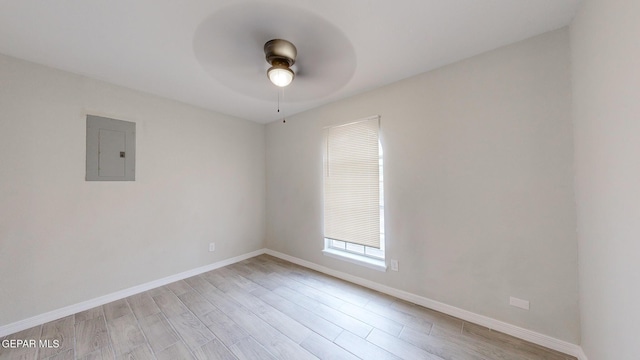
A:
(267, 308)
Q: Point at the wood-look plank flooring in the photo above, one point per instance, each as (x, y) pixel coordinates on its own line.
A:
(267, 308)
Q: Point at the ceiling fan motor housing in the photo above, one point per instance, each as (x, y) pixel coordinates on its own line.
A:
(280, 52)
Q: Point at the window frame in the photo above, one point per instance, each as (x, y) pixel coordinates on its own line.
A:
(339, 249)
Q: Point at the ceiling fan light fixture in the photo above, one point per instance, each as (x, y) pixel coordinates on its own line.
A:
(280, 75)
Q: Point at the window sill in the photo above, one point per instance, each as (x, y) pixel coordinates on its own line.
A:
(375, 264)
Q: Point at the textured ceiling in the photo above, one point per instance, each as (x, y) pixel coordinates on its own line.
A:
(209, 53)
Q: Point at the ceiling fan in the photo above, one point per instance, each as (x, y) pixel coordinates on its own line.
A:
(233, 44)
(281, 55)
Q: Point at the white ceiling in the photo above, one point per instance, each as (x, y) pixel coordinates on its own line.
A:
(209, 52)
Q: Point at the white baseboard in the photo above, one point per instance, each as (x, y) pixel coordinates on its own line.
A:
(581, 355)
(86, 305)
(521, 333)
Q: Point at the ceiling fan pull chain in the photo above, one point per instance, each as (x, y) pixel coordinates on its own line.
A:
(283, 117)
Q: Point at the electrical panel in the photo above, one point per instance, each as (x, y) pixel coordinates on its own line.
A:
(111, 149)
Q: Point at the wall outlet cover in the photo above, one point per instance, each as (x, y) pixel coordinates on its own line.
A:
(394, 265)
(522, 304)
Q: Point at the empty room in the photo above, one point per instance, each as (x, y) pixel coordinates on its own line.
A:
(365, 179)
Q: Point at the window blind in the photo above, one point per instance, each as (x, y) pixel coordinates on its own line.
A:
(352, 183)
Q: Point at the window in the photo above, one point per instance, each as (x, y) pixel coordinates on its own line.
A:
(353, 193)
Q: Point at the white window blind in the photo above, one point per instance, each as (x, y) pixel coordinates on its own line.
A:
(352, 183)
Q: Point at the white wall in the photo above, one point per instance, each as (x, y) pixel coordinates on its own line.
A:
(478, 184)
(606, 117)
(200, 177)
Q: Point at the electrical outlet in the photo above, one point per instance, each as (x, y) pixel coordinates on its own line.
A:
(212, 247)
(522, 304)
(394, 265)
